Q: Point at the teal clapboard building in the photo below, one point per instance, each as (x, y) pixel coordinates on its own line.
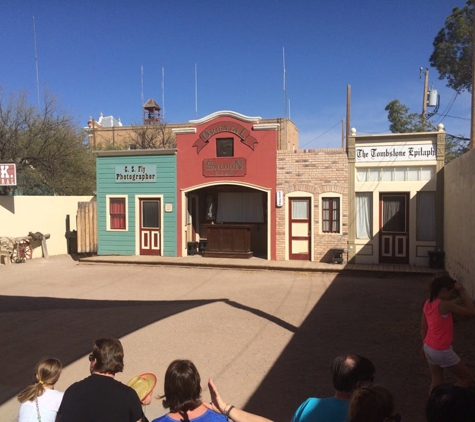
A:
(136, 202)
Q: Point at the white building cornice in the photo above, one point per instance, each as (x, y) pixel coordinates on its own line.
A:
(226, 113)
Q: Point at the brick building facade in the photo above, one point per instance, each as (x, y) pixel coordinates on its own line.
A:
(316, 175)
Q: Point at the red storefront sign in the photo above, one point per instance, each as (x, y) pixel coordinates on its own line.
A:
(219, 167)
(7, 174)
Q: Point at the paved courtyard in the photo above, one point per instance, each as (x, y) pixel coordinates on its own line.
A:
(266, 337)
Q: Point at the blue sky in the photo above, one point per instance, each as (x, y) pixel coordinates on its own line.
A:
(90, 54)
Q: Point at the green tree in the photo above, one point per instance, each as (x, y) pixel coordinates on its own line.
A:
(453, 49)
(46, 146)
(402, 121)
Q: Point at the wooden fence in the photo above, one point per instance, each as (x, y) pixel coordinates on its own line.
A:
(86, 222)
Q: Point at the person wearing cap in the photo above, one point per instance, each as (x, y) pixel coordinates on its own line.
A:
(143, 385)
(100, 397)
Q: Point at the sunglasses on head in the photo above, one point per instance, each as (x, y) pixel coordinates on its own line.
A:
(91, 357)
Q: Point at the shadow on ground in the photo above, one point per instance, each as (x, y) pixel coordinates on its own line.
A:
(377, 316)
(65, 320)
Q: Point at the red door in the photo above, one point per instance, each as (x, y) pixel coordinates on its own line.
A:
(299, 228)
(394, 228)
(150, 226)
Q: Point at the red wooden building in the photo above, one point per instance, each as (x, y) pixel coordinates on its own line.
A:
(226, 183)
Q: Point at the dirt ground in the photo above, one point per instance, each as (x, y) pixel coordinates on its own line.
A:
(267, 338)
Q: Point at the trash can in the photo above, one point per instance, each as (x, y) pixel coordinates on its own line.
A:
(72, 242)
(203, 244)
(337, 256)
(436, 259)
(192, 248)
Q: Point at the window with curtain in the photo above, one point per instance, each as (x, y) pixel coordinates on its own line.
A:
(425, 216)
(394, 213)
(117, 214)
(240, 207)
(364, 217)
(299, 210)
(331, 215)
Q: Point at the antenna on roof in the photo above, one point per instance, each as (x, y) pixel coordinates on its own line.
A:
(284, 83)
(141, 82)
(196, 90)
(163, 93)
(36, 62)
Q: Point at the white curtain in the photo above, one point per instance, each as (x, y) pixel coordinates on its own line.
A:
(364, 207)
(425, 220)
(240, 207)
(394, 215)
(299, 210)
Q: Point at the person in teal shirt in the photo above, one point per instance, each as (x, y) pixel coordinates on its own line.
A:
(349, 372)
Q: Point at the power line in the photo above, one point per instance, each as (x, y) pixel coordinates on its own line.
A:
(452, 117)
(319, 136)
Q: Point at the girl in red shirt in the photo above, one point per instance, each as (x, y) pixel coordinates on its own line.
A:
(437, 330)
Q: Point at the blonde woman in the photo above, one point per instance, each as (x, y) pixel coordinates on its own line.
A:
(40, 401)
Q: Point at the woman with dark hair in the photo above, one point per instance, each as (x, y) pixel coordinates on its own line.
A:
(40, 401)
(183, 395)
(372, 404)
(437, 330)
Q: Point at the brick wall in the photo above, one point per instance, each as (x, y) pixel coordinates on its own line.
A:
(313, 172)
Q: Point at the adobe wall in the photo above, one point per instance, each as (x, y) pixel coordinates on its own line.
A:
(313, 173)
(459, 222)
(20, 215)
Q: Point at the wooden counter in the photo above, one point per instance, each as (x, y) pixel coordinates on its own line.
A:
(228, 241)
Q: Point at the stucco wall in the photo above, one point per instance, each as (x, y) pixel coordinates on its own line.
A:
(459, 222)
(20, 215)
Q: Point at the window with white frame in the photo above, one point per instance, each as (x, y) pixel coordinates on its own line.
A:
(395, 174)
(331, 207)
(117, 213)
(364, 215)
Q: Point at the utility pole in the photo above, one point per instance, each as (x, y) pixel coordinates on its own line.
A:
(472, 125)
(424, 98)
(342, 133)
(348, 113)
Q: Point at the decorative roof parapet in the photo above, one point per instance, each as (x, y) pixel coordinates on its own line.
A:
(226, 113)
(266, 126)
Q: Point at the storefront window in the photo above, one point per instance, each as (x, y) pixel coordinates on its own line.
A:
(400, 174)
(364, 218)
(240, 207)
(395, 174)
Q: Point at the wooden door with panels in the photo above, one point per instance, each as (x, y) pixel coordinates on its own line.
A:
(394, 228)
(300, 228)
(150, 230)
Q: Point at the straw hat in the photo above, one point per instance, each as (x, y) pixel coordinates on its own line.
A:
(143, 384)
